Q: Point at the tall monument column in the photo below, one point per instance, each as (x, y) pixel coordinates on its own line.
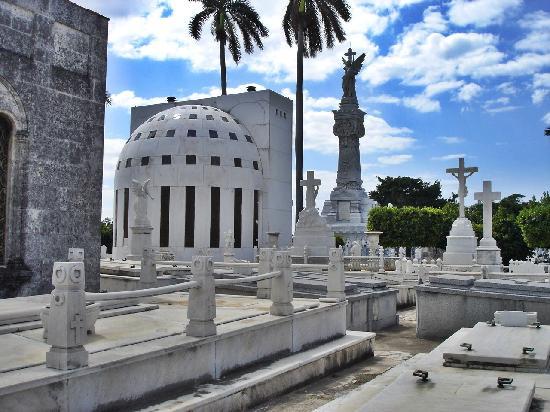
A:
(347, 210)
(461, 242)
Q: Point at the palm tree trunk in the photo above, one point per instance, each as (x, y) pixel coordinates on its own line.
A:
(223, 68)
(299, 140)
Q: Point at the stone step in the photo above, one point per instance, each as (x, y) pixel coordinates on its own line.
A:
(263, 381)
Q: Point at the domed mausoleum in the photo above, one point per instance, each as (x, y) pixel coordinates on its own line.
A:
(206, 177)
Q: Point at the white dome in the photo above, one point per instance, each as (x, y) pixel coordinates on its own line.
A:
(185, 131)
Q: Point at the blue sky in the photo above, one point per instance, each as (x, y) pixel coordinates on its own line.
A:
(442, 79)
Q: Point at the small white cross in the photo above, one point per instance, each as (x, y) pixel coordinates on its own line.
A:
(487, 197)
(350, 55)
(312, 186)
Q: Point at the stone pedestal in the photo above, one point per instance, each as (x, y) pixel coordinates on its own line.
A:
(461, 244)
(202, 301)
(141, 239)
(373, 239)
(312, 231)
(488, 255)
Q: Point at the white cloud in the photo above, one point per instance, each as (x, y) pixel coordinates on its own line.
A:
(539, 95)
(449, 156)
(384, 99)
(111, 152)
(422, 103)
(499, 105)
(480, 13)
(469, 91)
(451, 139)
(424, 55)
(394, 159)
(537, 25)
(117, 8)
(507, 88)
(546, 118)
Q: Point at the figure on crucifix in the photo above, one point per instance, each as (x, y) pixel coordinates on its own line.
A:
(462, 173)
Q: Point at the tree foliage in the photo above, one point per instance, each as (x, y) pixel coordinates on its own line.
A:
(107, 234)
(229, 18)
(534, 222)
(407, 191)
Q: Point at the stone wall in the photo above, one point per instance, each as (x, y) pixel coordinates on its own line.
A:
(53, 62)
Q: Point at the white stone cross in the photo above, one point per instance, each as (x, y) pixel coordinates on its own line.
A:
(460, 174)
(487, 197)
(312, 186)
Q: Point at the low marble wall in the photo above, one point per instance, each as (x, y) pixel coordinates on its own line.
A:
(451, 302)
(372, 311)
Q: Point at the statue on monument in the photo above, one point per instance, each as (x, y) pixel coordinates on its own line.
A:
(352, 67)
(141, 190)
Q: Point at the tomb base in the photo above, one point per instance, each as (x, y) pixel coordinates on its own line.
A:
(488, 255)
(141, 239)
(461, 244)
(200, 329)
(67, 359)
(312, 231)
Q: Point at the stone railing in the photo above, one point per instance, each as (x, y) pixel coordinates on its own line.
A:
(67, 315)
(370, 263)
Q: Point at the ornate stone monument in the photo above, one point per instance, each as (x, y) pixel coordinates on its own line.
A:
(461, 242)
(142, 229)
(312, 229)
(488, 253)
(347, 210)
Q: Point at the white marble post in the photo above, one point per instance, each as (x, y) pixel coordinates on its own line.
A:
(381, 259)
(264, 266)
(67, 317)
(336, 282)
(202, 301)
(397, 265)
(306, 254)
(148, 273)
(282, 286)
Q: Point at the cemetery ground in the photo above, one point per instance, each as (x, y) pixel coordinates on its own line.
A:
(392, 347)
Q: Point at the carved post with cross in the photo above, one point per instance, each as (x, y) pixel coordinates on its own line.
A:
(282, 285)
(67, 317)
(264, 266)
(202, 301)
(336, 282)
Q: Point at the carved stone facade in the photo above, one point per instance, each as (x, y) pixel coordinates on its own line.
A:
(347, 210)
(53, 59)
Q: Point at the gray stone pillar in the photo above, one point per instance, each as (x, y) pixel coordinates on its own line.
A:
(264, 266)
(148, 273)
(202, 300)
(336, 283)
(381, 260)
(282, 286)
(67, 317)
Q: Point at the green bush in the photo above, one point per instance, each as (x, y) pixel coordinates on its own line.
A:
(534, 222)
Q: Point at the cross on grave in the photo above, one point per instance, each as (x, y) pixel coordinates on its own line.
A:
(487, 197)
(312, 186)
(78, 323)
(350, 55)
(460, 174)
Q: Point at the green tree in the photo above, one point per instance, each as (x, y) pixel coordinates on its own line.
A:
(310, 24)
(229, 17)
(407, 191)
(534, 222)
(107, 234)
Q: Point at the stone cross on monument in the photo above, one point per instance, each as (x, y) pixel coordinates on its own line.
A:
(312, 186)
(487, 197)
(350, 55)
(462, 173)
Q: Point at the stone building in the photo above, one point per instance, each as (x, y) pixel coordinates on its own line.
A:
(53, 57)
(216, 168)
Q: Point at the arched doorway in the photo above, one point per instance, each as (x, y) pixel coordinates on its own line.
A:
(5, 135)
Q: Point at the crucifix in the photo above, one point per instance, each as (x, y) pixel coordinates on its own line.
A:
(350, 55)
(312, 186)
(462, 173)
(487, 197)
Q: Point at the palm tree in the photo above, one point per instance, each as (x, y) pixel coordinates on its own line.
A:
(228, 17)
(309, 24)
